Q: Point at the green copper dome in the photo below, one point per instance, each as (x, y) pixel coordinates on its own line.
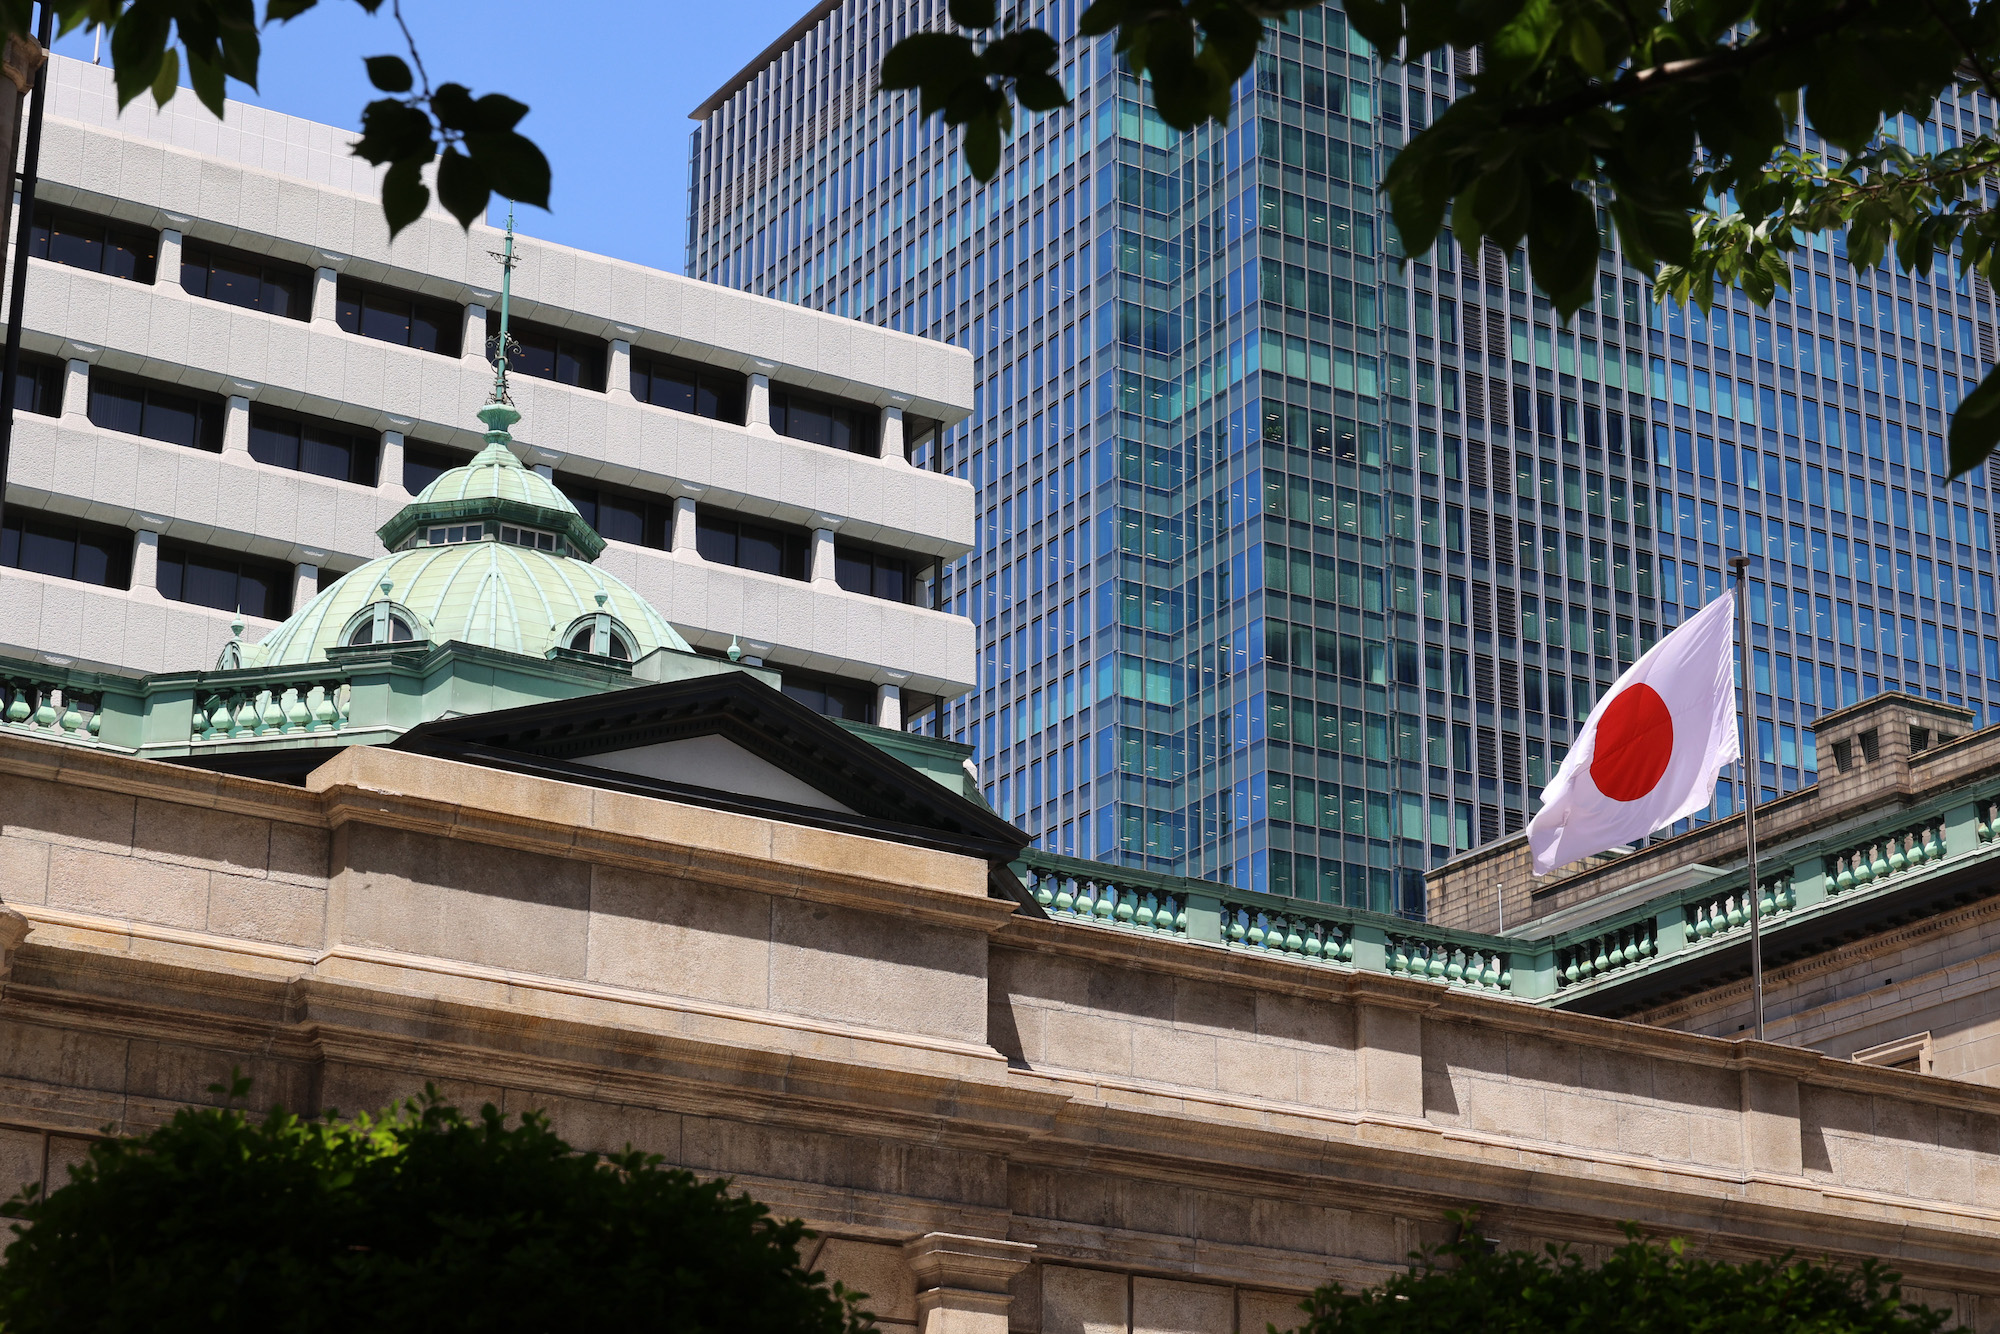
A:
(491, 554)
(485, 593)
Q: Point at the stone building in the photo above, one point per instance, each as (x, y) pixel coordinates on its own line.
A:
(675, 908)
(234, 380)
(994, 1118)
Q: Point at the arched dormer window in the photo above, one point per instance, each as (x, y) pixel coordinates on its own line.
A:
(601, 635)
(381, 622)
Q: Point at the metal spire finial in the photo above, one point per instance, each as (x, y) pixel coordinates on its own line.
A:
(499, 413)
(506, 258)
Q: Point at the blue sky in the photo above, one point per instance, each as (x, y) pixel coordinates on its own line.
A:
(609, 94)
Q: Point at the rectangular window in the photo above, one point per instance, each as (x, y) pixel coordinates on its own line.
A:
(322, 448)
(682, 387)
(551, 354)
(99, 245)
(38, 386)
(424, 464)
(157, 412)
(391, 316)
(872, 573)
(825, 421)
(65, 548)
(831, 696)
(251, 281)
(621, 516)
(225, 581)
(769, 549)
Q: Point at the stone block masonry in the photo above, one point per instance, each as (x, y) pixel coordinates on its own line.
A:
(993, 1122)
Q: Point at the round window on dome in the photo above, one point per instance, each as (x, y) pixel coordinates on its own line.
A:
(398, 631)
(380, 623)
(602, 635)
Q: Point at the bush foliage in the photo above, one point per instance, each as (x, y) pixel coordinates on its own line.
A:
(1642, 1287)
(418, 1218)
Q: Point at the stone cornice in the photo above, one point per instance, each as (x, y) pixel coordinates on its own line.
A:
(64, 762)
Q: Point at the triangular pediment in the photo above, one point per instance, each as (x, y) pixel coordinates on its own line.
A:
(715, 761)
(729, 740)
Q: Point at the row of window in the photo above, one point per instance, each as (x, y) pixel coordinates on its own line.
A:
(323, 448)
(97, 554)
(328, 449)
(388, 315)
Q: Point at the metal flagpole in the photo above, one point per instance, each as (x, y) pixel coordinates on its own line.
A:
(1746, 734)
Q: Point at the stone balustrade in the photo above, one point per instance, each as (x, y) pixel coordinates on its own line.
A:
(1887, 855)
(1730, 911)
(46, 704)
(320, 703)
(1604, 953)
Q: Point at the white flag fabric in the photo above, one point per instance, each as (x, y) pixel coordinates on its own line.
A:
(1650, 751)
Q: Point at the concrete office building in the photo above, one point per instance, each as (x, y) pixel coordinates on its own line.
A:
(1295, 567)
(234, 381)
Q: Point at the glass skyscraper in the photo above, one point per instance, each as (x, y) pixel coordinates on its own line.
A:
(1298, 566)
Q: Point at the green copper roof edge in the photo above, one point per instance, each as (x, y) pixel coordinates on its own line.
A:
(583, 539)
(1775, 927)
(916, 741)
(401, 660)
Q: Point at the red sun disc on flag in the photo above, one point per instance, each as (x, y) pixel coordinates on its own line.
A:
(1635, 740)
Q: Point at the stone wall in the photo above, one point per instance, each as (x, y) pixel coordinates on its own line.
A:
(992, 1122)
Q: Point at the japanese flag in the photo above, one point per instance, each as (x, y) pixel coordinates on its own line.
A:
(1651, 749)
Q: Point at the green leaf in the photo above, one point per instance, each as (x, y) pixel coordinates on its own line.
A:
(1041, 92)
(1975, 427)
(929, 60)
(982, 147)
(1101, 17)
(511, 164)
(462, 187)
(975, 15)
(138, 46)
(391, 74)
(404, 194)
(456, 109)
(208, 82)
(1563, 246)
(1419, 186)
(1380, 21)
(167, 81)
(393, 131)
(284, 11)
(1519, 46)
(1586, 47)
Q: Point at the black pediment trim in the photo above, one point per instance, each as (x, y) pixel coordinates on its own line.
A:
(889, 798)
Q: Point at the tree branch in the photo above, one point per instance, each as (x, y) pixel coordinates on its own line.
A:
(1729, 60)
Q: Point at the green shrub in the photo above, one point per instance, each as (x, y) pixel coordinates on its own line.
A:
(419, 1218)
(1642, 1287)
